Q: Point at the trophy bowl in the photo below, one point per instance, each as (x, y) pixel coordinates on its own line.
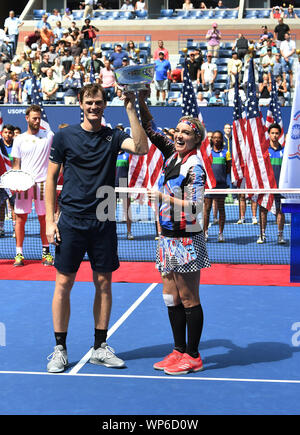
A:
(135, 77)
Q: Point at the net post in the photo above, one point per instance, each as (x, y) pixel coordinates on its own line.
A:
(294, 209)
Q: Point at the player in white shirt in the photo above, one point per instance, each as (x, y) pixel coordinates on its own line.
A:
(30, 153)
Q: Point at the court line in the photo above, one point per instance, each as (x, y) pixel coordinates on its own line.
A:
(170, 378)
(115, 326)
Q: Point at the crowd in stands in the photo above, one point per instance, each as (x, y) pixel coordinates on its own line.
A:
(60, 53)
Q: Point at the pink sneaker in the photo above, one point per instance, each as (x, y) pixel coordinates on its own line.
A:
(185, 365)
(170, 359)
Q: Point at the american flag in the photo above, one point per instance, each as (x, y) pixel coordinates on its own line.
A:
(274, 112)
(5, 164)
(238, 164)
(144, 170)
(190, 108)
(37, 99)
(261, 174)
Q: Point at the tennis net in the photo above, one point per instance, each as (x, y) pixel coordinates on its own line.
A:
(243, 241)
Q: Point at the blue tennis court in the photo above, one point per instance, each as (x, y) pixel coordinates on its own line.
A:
(249, 348)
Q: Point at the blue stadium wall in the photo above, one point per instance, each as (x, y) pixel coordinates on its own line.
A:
(165, 117)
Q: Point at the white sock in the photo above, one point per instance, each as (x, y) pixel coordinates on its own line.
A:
(19, 250)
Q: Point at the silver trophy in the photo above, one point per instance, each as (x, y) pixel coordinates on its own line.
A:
(133, 78)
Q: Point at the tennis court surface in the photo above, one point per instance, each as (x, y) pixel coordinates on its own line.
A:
(250, 342)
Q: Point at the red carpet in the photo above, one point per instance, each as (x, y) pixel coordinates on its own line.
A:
(222, 274)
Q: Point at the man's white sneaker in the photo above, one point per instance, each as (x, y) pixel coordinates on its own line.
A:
(58, 360)
(105, 356)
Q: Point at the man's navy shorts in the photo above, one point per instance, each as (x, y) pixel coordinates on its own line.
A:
(80, 236)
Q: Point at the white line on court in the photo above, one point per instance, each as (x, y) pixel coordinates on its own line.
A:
(170, 378)
(115, 326)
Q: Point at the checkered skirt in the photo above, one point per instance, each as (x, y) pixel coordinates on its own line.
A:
(169, 264)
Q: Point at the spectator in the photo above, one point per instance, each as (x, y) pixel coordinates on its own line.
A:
(47, 36)
(140, 5)
(108, 80)
(281, 89)
(231, 95)
(58, 32)
(187, 5)
(4, 77)
(84, 56)
(6, 49)
(117, 100)
(54, 17)
(67, 60)
(201, 101)
(16, 65)
(213, 37)
(234, 68)
(247, 58)
(133, 59)
(49, 87)
(194, 68)
(268, 44)
(43, 22)
(52, 53)
(287, 51)
(32, 38)
(98, 64)
(26, 74)
(58, 71)
(203, 5)
(290, 12)
(208, 74)
(241, 45)
(278, 67)
(44, 65)
(280, 30)
(127, 6)
(216, 99)
(67, 17)
(220, 5)
(11, 28)
(266, 33)
(88, 8)
(159, 49)
(27, 90)
(117, 56)
(277, 12)
(71, 87)
(264, 90)
(17, 131)
(89, 33)
(73, 27)
(13, 90)
(162, 68)
(268, 60)
(67, 38)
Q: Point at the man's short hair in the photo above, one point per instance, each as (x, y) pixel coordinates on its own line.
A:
(8, 127)
(91, 90)
(33, 108)
(274, 125)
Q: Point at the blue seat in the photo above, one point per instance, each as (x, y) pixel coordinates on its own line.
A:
(166, 13)
(182, 15)
(173, 94)
(126, 15)
(225, 53)
(194, 14)
(145, 46)
(38, 13)
(77, 15)
(207, 13)
(106, 46)
(176, 87)
(141, 15)
(221, 78)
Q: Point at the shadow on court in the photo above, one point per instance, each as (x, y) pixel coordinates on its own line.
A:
(253, 353)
